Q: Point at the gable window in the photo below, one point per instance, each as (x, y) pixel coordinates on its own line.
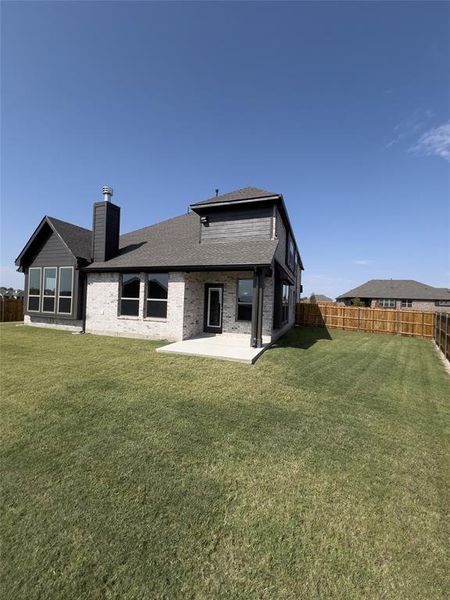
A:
(291, 253)
(129, 295)
(48, 303)
(34, 289)
(65, 290)
(157, 294)
(386, 302)
(244, 299)
(406, 303)
(285, 295)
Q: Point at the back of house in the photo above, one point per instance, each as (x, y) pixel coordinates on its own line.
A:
(230, 265)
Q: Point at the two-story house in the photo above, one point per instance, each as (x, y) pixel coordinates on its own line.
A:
(230, 265)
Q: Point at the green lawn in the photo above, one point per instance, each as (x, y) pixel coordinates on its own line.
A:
(320, 472)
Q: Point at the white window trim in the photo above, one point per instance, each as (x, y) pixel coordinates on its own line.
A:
(49, 312)
(147, 299)
(383, 301)
(40, 289)
(59, 291)
(406, 303)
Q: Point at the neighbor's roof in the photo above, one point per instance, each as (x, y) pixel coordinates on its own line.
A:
(248, 193)
(175, 243)
(397, 289)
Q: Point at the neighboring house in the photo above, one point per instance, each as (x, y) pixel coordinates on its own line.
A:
(11, 293)
(319, 298)
(399, 293)
(230, 265)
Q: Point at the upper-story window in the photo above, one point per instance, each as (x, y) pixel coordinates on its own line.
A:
(244, 299)
(386, 302)
(49, 299)
(157, 295)
(290, 259)
(129, 295)
(34, 289)
(65, 290)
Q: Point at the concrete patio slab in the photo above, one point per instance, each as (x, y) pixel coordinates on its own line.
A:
(222, 346)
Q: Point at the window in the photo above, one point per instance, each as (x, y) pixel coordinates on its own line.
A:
(386, 303)
(406, 303)
(48, 303)
(129, 295)
(65, 290)
(34, 289)
(291, 253)
(244, 299)
(442, 303)
(285, 303)
(157, 292)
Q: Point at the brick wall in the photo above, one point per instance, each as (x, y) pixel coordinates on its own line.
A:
(53, 323)
(195, 300)
(102, 309)
(185, 308)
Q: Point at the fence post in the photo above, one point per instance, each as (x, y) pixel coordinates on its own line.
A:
(446, 336)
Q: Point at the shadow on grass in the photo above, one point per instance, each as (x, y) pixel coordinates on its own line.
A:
(302, 337)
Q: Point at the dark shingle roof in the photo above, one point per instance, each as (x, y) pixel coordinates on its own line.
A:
(78, 239)
(397, 289)
(248, 193)
(175, 243)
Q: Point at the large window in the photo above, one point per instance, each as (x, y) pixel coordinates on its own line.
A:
(285, 303)
(65, 290)
(291, 253)
(129, 295)
(34, 289)
(406, 303)
(386, 303)
(244, 299)
(48, 303)
(157, 292)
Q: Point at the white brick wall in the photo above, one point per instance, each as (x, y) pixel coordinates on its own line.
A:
(102, 309)
(195, 300)
(53, 323)
(185, 307)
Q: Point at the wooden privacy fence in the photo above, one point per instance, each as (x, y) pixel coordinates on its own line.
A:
(373, 320)
(11, 309)
(442, 333)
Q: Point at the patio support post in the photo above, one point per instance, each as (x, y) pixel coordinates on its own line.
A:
(257, 308)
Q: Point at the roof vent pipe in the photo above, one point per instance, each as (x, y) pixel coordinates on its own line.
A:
(107, 193)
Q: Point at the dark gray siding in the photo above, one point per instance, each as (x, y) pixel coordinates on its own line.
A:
(52, 252)
(231, 225)
(106, 226)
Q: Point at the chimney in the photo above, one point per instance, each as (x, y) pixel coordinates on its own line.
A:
(105, 227)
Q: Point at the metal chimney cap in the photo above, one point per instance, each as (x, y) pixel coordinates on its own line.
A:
(107, 190)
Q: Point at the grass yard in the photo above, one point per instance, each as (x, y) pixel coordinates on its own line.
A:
(320, 472)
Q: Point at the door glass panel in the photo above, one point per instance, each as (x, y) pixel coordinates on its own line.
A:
(214, 307)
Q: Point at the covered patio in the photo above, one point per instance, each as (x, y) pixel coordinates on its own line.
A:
(225, 346)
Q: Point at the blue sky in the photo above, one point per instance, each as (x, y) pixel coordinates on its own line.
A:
(342, 107)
